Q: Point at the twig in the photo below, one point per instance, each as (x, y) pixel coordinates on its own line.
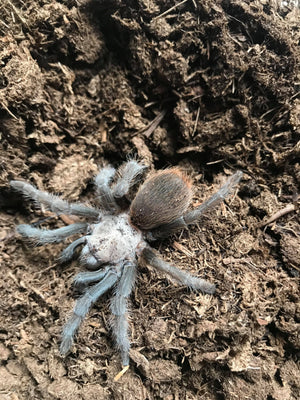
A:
(169, 10)
(152, 125)
(121, 373)
(9, 112)
(183, 249)
(17, 12)
(67, 220)
(196, 121)
(28, 287)
(289, 208)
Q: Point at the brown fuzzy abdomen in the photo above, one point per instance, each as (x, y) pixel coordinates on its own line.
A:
(161, 199)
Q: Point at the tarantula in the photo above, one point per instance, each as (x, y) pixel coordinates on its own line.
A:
(117, 238)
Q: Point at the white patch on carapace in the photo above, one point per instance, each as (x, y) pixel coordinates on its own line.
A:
(112, 240)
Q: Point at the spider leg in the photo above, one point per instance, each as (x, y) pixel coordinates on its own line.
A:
(128, 175)
(85, 278)
(182, 277)
(102, 183)
(193, 216)
(68, 253)
(82, 306)
(54, 203)
(42, 236)
(118, 308)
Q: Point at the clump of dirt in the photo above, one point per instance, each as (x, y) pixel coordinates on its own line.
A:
(211, 86)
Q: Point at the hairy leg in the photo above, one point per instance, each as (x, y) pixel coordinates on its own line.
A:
(182, 277)
(102, 183)
(42, 236)
(54, 203)
(193, 216)
(68, 253)
(82, 306)
(118, 308)
(128, 175)
(85, 278)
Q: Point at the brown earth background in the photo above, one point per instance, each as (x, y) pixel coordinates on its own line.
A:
(210, 86)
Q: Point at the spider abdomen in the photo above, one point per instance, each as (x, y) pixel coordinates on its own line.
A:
(161, 199)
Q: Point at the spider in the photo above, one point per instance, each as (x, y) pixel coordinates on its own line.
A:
(118, 237)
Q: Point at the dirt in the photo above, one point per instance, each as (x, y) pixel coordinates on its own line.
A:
(209, 86)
